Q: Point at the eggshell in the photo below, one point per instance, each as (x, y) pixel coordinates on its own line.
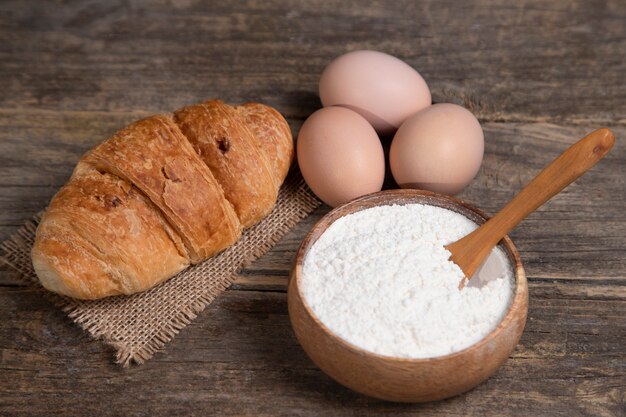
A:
(438, 149)
(380, 87)
(340, 155)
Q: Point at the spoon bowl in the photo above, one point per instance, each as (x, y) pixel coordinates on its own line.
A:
(405, 379)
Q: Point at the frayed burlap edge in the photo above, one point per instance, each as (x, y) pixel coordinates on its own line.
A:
(13, 252)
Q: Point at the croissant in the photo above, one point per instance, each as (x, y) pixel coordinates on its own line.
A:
(161, 194)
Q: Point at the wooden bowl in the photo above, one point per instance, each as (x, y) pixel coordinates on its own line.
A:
(401, 379)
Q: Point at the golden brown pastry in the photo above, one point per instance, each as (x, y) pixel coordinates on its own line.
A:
(232, 153)
(154, 156)
(161, 194)
(274, 138)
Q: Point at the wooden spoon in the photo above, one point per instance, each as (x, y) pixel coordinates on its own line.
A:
(470, 251)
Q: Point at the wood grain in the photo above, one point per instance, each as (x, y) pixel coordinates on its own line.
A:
(240, 358)
(538, 74)
(526, 60)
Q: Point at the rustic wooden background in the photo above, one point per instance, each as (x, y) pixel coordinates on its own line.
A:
(538, 74)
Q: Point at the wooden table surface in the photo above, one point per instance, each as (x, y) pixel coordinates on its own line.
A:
(538, 74)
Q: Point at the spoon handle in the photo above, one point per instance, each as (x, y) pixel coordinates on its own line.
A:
(470, 251)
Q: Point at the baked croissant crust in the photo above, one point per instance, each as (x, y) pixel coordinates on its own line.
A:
(161, 194)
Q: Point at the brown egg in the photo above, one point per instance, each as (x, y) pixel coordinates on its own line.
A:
(380, 87)
(439, 149)
(340, 155)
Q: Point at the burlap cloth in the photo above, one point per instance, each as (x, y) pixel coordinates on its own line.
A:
(137, 326)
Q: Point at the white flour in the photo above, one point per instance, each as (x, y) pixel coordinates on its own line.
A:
(381, 279)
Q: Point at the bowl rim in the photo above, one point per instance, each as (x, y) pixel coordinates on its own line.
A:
(520, 288)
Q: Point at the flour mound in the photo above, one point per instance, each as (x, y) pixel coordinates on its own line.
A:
(381, 280)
